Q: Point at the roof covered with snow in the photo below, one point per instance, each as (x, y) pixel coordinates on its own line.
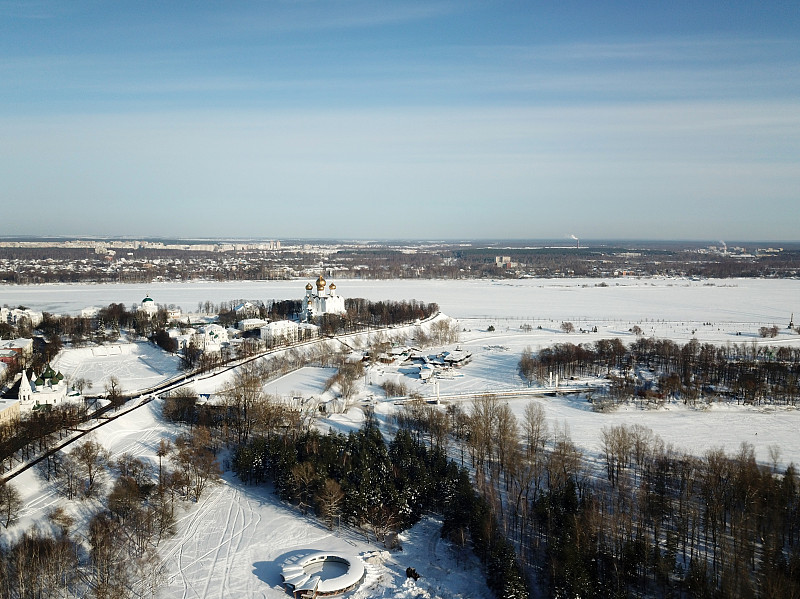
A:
(297, 578)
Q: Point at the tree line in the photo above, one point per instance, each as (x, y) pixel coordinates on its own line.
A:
(45, 265)
(748, 373)
(32, 434)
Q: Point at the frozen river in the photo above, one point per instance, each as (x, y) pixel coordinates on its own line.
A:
(755, 301)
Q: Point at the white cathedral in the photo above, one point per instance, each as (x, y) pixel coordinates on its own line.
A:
(324, 301)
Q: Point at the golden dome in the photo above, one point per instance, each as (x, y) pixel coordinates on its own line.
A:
(321, 283)
(333, 286)
(309, 287)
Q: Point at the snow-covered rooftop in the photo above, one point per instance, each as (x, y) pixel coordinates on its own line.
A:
(300, 573)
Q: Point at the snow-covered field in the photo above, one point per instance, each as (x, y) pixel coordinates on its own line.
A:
(136, 365)
(232, 543)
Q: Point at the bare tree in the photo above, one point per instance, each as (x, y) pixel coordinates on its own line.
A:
(564, 461)
(114, 391)
(10, 503)
(81, 383)
(66, 473)
(330, 500)
(110, 572)
(304, 475)
(768, 331)
(444, 331)
(617, 450)
(528, 366)
(774, 455)
(347, 378)
(481, 427)
(38, 566)
(382, 519)
(241, 397)
(164, 449)
(535, 427)
(196, 466)
(91, 459)
(506, 435)
(60, 518)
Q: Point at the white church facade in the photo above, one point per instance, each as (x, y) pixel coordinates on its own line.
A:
(322, 300)
(49, 388)
(148, 306)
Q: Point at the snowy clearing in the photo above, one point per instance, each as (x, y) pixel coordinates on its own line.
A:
(136, 365)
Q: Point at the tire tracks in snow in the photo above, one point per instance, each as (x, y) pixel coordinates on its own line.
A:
(207, 571)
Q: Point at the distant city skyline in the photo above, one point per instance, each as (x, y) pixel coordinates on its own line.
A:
(404, 120)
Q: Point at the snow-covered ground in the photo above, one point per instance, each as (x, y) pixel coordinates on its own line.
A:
(136, 365)
(234, 540)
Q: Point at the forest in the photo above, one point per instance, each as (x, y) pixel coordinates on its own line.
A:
(642, 518)
(361, 481)
(639, 518)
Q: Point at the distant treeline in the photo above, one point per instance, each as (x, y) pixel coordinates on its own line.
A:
(50, 265)
(745, 372)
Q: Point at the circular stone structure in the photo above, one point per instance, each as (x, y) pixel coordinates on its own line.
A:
(322, 574)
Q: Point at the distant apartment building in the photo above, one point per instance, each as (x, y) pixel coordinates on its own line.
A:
(249, 324)
(279, 331)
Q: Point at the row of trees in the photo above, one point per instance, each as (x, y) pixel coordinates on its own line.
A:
(106, 326)
(244, 409)
(36, 432)
(360, 313)
(747, 372)
(388, 312)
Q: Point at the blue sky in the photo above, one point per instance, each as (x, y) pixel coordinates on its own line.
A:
(350, 119)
